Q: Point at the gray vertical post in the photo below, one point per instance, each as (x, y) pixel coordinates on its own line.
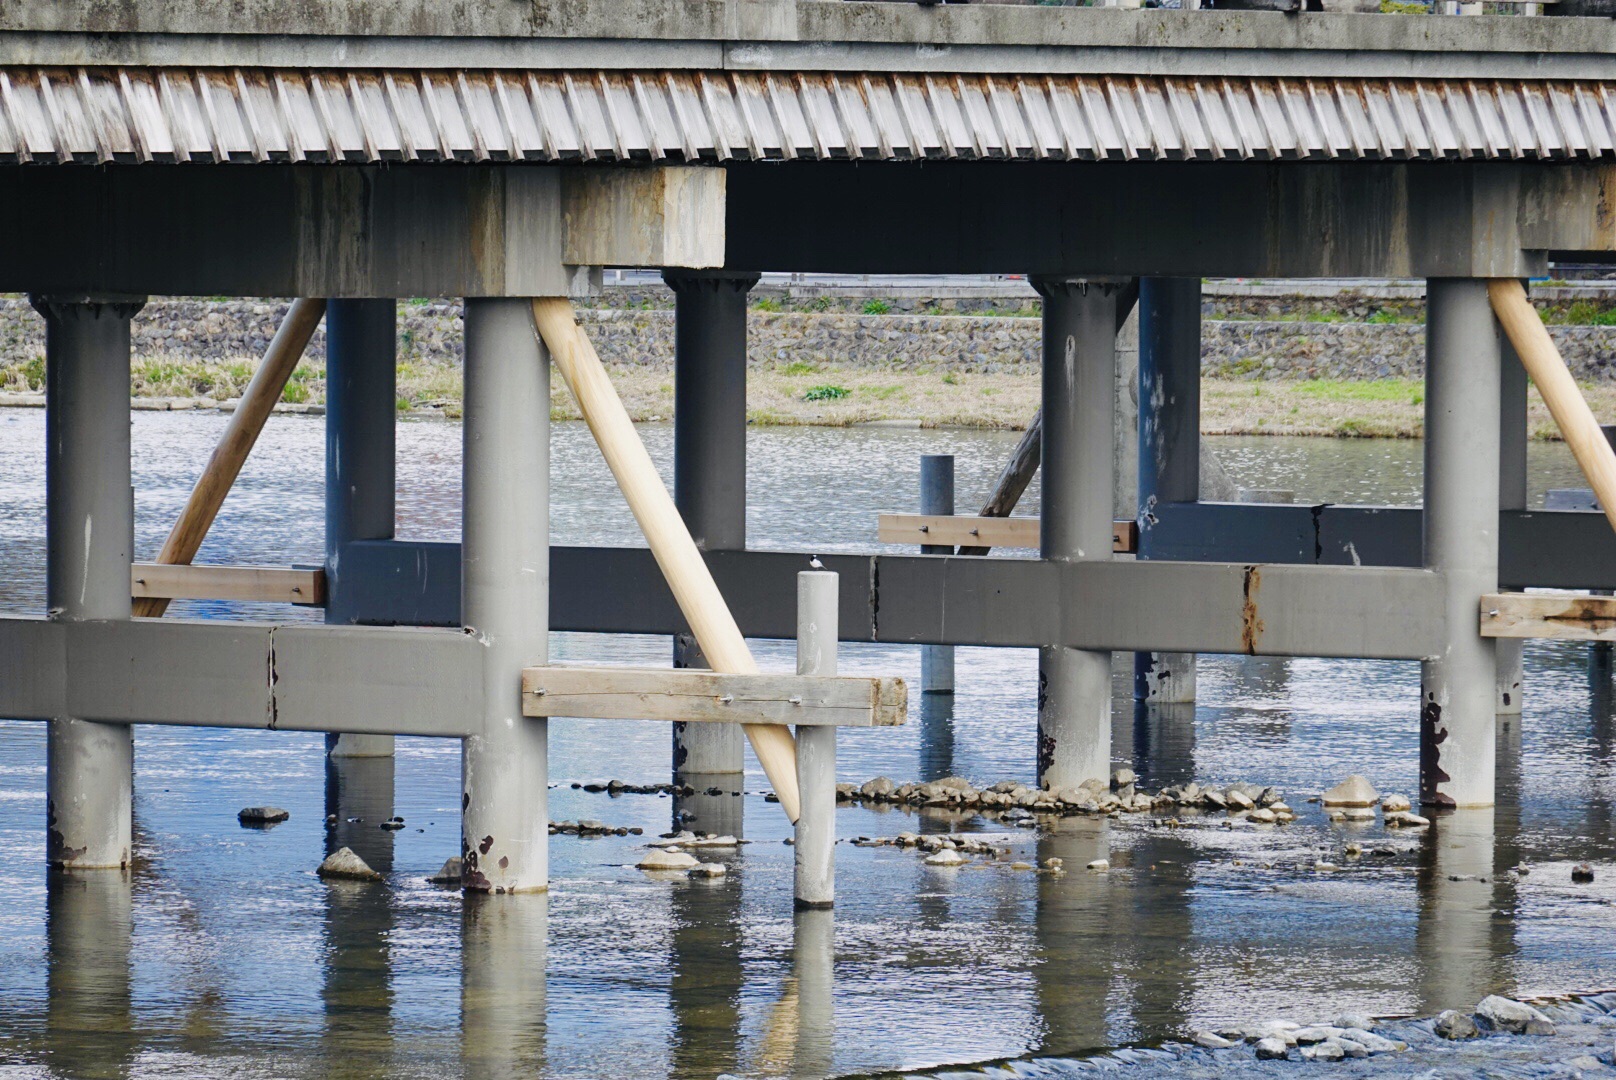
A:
(1075, 515)
(360, 413)
(1458, 686)
(937, 497)
(1169, 444)
(815, 850)
(1513, 437)
(505, 586)
(89, 525)
(709, 472)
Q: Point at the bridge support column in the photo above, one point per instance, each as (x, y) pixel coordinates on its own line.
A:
(1079, 372)
(1513, 438)
(1458, 687)
(709, 488)
(89, 537)
(360, 414)
(1169, 445)
(937, 497)
(505, 586)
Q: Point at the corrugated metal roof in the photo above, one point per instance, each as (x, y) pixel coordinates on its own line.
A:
(254, 115)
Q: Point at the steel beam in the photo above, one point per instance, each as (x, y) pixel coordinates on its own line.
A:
(1458, 684)
(89, 540)
(505, 576)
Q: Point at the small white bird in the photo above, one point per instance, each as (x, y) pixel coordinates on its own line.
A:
(815, 563)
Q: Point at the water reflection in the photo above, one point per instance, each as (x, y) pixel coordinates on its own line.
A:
(707, 974)
(1163, 743)
(1462, 950)
(714, 804)
(503, 955)
(89, 1007)
(936, 735)
(357, 965)
(1076, 967)
(813, 971)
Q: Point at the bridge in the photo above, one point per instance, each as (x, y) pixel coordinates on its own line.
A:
(357, 151)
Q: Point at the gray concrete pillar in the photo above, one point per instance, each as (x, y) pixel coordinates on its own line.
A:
(1458, 687)
(1075, 515)
(1169, 445)
(361, 408)
(505, 590)
(815, 850)
(89, 536)
(709, 480)
(937, 497)
(1513, 438)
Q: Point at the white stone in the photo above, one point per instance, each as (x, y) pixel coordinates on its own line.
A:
(709, 869)
(1264, 816)
(946, 857)
(1210, 1041)
(343, 863)
(1099, 865)
(1355, 790)
(1272, 1049)
(1325, 1051)
(1406, 821)
(1396, 804)
(667, 860)
(1238, 800)
(1352, 1048)
(1513, 1016)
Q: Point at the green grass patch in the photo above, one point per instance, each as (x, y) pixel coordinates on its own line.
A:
(800, 367)
(1360, 390)
(877, 307)
(766, 303)
(825, 393)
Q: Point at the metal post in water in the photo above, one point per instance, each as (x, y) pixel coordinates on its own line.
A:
(505, 589)
(361, 409)
(1462, 427)
(1169, 445)
(1512, 439)
(709, 488)
(1075, 513)
(89, 531)
(815, 850)
(937, 497)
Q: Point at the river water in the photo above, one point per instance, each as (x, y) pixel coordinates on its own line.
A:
(222, 954)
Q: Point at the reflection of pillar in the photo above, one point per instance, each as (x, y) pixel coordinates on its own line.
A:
(936, 736)
(503, 950)
(1169, 448)
(704, 990)
(1164, 743)
(88, 1019)
(1512, 442)
(89, 534)
(1456, 955)
(360, 415)
(713, 804)
(360, 789)
(1458, 687)
(1075, 515)
(1156, 939)
(1073, 927)
(814, 968)
(357, 966)
(709, 476)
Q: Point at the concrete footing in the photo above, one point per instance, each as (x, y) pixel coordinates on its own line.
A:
(505, 588)
(1458, 687)
(89, 537)
(1076, 511)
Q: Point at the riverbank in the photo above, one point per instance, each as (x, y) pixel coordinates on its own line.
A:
(798, 394)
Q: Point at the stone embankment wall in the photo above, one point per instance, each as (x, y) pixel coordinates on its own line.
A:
(1267, 337)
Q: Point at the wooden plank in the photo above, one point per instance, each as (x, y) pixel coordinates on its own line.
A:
(985, 532)
(268, 584)
(1561, 616)
(682, 695)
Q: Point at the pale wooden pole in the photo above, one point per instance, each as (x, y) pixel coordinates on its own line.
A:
(1553, 379)
(675, 552)
(224, 465)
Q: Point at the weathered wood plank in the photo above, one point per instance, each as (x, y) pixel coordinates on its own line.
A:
(628, 693)
(985, 532)
(268, 584)
(1561, 616)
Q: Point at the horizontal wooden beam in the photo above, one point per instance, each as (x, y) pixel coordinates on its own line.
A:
(958, 530)
(629, 693)
(1562, 616)
(267, 584)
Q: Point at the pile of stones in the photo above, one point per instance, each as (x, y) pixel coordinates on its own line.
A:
(1273, 1040)
(670, 854)
(1493, 1014)
(1355, 798)
(590, 827)
(1120, 796)
(618, 787)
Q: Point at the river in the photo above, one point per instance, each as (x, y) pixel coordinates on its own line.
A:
(225, 956)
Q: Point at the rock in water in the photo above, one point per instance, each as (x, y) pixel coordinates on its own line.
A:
(1396, 804)
(709, 869)
(1355, 1022)
(946, 857)
(879, 788)
(1100, 866)
(1324, 1051)
(262, 815)
(449, 875)
(344, 864)
(1454, 1024)
(1355, 790)
(1272, 1049)
(1582, 873)
(1209, 1041)
(667, 860)
(1515, 1017)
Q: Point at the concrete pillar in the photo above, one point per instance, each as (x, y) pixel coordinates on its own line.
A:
(1513, 438)
(1458, 687)
(937, 497)
(1169, 445)
(505, 586)
(89, 537)
(361, 407)
(1075, 515)
(709, 479)
(815, 849)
